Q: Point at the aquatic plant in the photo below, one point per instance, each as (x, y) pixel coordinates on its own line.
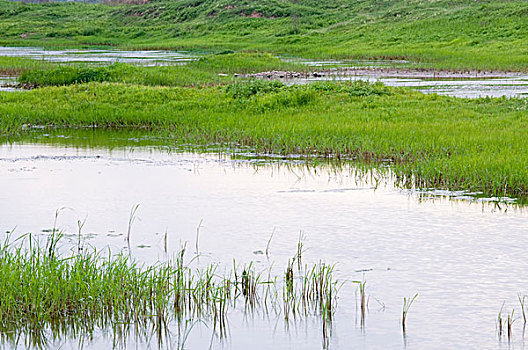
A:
(363, 301)
(407, 302)
(522, 302)
(269, 242)
(132, 217)
(300, 249)
(510, 322)
(500, 321)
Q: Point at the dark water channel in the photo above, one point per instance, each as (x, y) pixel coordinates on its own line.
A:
(463, 258)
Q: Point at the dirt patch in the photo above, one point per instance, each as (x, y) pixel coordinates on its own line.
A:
(388, 73)
(255, 14)
(126, 2)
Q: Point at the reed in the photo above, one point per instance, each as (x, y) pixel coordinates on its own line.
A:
(300, 249)
(522, 302)
(269, 243)
(407, 303)
(131, 218)
(363, 300)
(510, 322)
(500, 322)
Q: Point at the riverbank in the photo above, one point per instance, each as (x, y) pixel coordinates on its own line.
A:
(431, 141)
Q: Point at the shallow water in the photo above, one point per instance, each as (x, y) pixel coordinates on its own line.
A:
(6, 82)
(147, 58)
(462, 258)
(465, 88)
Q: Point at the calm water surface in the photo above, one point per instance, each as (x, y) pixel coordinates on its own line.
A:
(465, 88)
(464, 259)
(145, 57)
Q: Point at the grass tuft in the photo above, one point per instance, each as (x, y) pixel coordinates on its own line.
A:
(44, 292)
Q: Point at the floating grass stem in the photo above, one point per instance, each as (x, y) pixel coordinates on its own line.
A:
(198, 235)
(132, 217)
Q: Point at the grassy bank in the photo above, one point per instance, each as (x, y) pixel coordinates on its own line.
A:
(453, 34)
(13, 66)
(45, 293)
(433, 141)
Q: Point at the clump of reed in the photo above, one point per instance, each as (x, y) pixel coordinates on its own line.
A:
(505, 322)
(508, 323)
(44, 292)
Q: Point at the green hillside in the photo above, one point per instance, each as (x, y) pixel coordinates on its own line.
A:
(451, 34)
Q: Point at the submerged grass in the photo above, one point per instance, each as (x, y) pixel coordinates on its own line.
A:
(431, 141)
(46, 293)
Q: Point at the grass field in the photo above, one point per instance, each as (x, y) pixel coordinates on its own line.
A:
(432, 141)
(453, 34)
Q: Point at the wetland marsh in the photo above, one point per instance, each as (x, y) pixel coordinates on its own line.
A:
(263, 174)
(397, 73)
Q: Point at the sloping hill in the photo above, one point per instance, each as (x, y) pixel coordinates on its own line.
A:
(456, 34)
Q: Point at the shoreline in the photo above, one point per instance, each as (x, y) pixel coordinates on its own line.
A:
(377, 72)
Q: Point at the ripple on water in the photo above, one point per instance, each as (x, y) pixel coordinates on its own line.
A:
(462, 258)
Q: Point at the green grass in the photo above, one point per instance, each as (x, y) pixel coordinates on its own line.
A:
(47, 294)
(452, 34)
(208, 70)
(432, 141)
(13, 66)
